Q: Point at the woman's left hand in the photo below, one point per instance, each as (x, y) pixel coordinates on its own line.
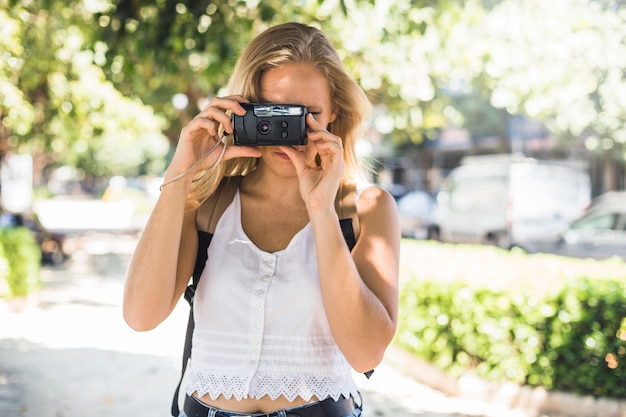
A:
(318, 183)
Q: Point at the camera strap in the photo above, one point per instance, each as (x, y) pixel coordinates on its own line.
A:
(208, 215)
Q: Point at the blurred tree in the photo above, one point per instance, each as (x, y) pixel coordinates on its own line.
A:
(159, 51)
(426, 64)
(58, 106)
(156, 51)
(561, 62)
(398, 51)
(401, 53)
(16, 111)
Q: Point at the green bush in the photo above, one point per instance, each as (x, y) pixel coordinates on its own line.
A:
(20, 260)
(570, 337)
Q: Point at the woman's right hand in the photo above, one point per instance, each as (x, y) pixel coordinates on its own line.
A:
(202, 133)
(164, 258)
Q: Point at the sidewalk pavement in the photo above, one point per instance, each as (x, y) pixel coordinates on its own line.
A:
(66, 352)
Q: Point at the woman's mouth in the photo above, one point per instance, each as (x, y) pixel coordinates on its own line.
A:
(282, 155)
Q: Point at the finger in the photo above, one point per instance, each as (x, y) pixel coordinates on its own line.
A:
(312, 156)
(228, 103)
(325, 141)
(200, 126)
(219, 116)
(241, 152)
(313, 124)
(319, 132)
(231, 152)
(297, 158)
(219, 108)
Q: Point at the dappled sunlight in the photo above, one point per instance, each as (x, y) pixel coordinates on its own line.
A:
(70, 338)
(81, 381)
(81, 304)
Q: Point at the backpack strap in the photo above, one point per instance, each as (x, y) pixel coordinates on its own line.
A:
(345, 206)
(212, 209)
(207, 216)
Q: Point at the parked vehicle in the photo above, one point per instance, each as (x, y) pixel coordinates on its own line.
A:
(509, 200)
(416, 214)
(599, 233)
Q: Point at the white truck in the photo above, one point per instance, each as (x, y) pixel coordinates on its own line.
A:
(507, 200)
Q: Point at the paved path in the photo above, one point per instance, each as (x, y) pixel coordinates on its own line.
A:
(68, 353)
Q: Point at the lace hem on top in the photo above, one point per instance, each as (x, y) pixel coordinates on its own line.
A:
(273, 386)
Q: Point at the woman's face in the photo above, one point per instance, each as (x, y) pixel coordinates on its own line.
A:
(296, 84)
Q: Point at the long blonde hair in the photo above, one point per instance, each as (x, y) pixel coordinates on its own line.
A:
(275, 47)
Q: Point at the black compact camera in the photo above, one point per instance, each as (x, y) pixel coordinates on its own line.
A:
(270, 125)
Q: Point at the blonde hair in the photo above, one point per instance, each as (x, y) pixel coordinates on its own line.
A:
(278, 46)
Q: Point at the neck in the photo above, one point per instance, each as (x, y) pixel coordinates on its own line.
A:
(272, 186)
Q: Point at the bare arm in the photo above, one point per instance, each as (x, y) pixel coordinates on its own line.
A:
(163, 261)
(360, 290)
(165, 256)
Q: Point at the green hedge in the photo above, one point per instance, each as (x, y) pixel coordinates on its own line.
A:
(20, 261)
(570, 337)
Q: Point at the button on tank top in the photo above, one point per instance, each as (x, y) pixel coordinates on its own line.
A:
(260, 324)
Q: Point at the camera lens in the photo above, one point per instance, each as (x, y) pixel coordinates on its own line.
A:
(264, 127)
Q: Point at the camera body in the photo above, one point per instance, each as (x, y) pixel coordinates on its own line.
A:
(270, 125)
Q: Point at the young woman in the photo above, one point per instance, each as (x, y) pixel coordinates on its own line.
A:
(285, 310)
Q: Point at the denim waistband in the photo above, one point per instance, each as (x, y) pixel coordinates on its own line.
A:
(325, 408)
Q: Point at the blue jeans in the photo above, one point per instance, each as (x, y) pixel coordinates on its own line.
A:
(354, 413)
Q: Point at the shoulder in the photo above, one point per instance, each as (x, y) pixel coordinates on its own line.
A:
(372, 198)
(379, 223)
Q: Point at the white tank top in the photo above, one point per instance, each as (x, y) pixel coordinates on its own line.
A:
(260, 325)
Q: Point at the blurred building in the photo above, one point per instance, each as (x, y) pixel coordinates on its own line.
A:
(425, 166)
